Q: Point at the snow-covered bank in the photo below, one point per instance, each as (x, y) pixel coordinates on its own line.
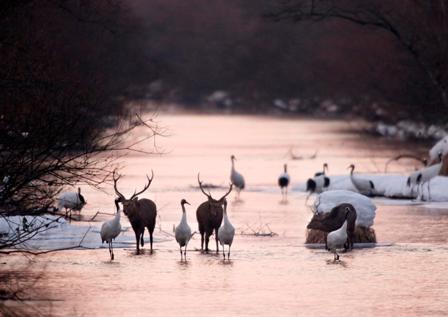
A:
(55, 233)
(407, 129)
(365, 209)
(390, 185)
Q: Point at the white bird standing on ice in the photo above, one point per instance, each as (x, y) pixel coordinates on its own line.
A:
(183, 231)
(439, 147)
(71, 201)
(423, 176)
(226, 232)
(363, 185)
(111, 229)
(283, 182)
(236, 178)
(336, 239)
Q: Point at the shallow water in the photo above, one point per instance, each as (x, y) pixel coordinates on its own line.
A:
(266, 275)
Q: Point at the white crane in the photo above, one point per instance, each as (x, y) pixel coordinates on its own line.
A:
(336, 239)
(324, 169)
(226, 232)
(183, 231)
(423, 176)
(111, 229)
(71, 201)
(440, 147)
(283, 182)
(236, 178)
(363, 185)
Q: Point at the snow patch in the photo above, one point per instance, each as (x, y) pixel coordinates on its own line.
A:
(62, 234)
(391, 186)
(365, 209)
(439, 147)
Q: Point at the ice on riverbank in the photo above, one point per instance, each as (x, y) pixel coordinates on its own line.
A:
(54, 232)
(365, 209)
(391, 186)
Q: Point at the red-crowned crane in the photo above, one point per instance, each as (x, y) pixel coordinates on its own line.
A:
(283, 182)
(423, 176)
(226, 232)
(111, 229)
(183, 231)
(71, 201)
(236, 178)
(363, 185)
(324, 170)
(336, 239)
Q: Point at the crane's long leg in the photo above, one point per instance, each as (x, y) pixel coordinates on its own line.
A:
(228, 254)
(419, 197)
(429, 191)
(110, 253)
(180, 249)
(112, 250)
(336, 255)
(307, 197)
(223, 253)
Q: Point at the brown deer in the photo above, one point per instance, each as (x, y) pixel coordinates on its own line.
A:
(141, 213)
(209, 215)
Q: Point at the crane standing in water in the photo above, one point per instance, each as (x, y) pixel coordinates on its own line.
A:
(236, 178)
(283, 182)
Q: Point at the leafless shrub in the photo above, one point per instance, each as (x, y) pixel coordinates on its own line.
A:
(261, 230)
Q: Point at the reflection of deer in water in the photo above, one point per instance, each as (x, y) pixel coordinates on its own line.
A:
(141, 213)
(209, 215)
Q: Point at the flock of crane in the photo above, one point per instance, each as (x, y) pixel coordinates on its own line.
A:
(212, 214)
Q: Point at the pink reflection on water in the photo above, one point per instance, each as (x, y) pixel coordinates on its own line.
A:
(266, 275)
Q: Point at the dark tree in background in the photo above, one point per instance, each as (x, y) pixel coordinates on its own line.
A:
(355, 52)
(69, 67)
(65, 70)
(419, 27)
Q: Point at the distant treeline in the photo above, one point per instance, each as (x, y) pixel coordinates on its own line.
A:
(88, 57)
(395, 55)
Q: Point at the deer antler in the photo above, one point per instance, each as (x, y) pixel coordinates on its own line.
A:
(116, 178)
(202, 189)
(226, 194)
(146, 186)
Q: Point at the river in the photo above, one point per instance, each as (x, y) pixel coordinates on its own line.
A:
(403, 275)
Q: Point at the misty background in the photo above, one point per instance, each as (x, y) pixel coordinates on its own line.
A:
(242, 55)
